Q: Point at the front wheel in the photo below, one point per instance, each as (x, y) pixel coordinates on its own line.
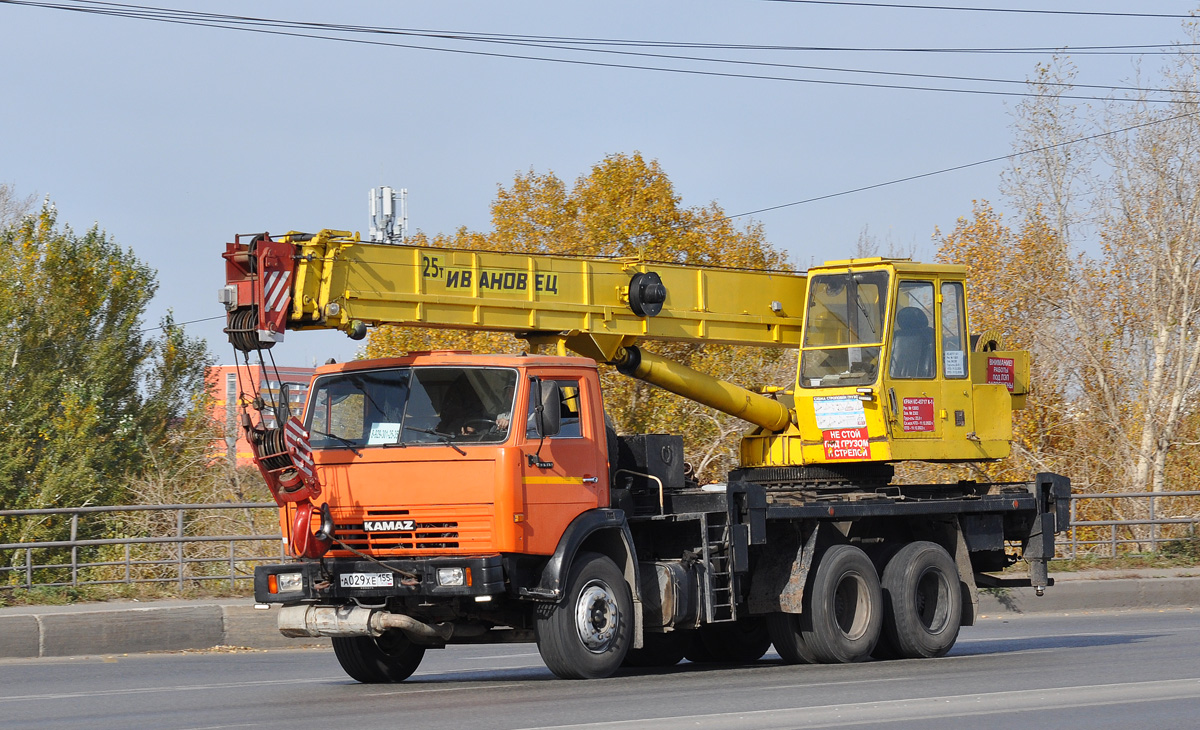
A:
(374, 660)
(843, 611)
(587, 634)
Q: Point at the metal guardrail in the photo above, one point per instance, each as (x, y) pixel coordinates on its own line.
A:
(187, 558)
(191, 558)
(1122, 532)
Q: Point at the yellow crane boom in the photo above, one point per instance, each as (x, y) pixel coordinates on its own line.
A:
(885, 373)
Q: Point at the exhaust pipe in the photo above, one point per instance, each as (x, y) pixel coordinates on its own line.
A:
(343, 621)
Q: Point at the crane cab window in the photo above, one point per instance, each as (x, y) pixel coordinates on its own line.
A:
(843, 329)
(913, 346)
(569, 409)
(954, 327)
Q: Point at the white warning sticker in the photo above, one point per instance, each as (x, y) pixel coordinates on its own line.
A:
(839, 411)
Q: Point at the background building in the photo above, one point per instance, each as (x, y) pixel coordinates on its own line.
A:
(228, 397)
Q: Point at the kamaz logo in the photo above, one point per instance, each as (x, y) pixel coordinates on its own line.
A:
(389, 525)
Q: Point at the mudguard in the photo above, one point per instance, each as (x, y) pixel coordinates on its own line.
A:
(583, 527)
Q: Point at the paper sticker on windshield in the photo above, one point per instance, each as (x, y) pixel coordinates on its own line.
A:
(839, 411)
(955, 364)
(383, 433)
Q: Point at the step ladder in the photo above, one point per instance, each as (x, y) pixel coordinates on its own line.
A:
(719, 600)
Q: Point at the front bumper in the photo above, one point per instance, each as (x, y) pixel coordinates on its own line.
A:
(323, 580)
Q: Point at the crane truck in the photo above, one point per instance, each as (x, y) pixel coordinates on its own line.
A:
(446, 497)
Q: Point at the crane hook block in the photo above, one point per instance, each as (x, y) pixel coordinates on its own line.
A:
(646, 294)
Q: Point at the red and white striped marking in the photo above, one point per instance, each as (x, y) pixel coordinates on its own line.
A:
(275, 297)
(296, 440)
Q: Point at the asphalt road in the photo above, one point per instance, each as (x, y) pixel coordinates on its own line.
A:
(1099, 670)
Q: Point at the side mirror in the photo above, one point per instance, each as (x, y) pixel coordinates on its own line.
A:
(283, 404)
(547, 419)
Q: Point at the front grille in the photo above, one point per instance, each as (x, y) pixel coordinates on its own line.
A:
(457, 528)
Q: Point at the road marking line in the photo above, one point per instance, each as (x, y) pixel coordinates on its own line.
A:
(921, 708)
(473, 688)
(177, 688)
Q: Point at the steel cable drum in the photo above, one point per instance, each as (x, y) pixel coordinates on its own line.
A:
(988, 341)
(273, 451)
(243, 331)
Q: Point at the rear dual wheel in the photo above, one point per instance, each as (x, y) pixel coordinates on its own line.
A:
(922, 601)
(842, 612)
(732, 642)
(659, 650)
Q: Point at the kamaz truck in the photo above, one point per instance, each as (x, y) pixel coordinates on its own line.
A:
(449, 497)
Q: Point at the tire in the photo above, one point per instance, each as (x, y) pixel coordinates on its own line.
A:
(785, 633)
(922, 602)
(735, 642)
(388, 658)
(586, 635)
(843, 611)
(658, 650)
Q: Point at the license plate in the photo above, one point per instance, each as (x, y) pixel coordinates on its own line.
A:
(366, 580)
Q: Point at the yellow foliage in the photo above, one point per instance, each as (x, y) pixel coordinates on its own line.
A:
(1015, 278)
(623, 206)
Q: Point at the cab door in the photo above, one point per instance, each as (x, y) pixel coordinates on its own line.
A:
(928, 389)
(561, 474)
(914, 388)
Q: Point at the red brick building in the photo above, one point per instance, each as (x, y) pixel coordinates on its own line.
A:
(226, 395)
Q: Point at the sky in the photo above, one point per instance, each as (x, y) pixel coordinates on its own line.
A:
(174, 138)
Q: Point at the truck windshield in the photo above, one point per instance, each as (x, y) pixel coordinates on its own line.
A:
(843, 329)
(401, 406)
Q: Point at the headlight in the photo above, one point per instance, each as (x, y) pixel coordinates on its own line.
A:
(285, 582)
(451, 577)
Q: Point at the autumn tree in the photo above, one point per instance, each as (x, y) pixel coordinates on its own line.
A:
(87, 393)
(1015, 279)
(12, 206)
(624, 206)
(1102, 281)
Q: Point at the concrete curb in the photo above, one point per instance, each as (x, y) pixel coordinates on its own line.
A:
(90, 629)
(131, 627)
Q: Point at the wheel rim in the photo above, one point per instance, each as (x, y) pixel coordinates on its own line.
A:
(597, 617)
(932, 601)
(851, 606)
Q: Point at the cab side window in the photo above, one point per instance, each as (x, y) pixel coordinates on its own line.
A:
(954, 343)
(569, 409)
(912, 332)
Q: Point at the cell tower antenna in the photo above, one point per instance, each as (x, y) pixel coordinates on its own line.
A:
(389, 215)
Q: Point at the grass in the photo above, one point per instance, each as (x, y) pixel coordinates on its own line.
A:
(67, 595)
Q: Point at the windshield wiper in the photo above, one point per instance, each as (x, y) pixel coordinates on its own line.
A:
(441, 437)
(345, 441)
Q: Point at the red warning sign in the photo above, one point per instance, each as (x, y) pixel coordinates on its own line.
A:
(846, 443)
(1000, 371)
(917, 414)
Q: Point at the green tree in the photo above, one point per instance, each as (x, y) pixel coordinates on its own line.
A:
(87, 393)
(624, 206)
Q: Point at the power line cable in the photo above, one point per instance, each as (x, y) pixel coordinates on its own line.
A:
(956, 168)
(273, 27)
(569, 40)
(960, 8)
